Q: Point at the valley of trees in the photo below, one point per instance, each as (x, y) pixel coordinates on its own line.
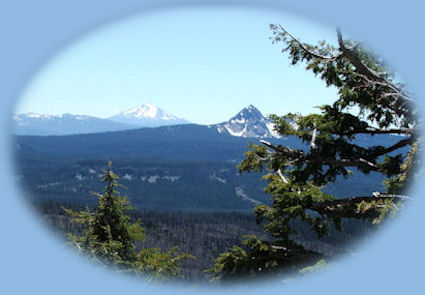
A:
(302, 220)
(201, 234)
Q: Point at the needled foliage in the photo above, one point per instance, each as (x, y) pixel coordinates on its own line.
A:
(109, 236)
(257, 258)
(370, 102)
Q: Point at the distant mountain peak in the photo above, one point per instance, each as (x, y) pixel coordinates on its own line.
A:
(249, 122)
(148, 115)
(250, 107)
(44, 117)
(41, 124)
(32, 115)
(249, 112)
(148, 110)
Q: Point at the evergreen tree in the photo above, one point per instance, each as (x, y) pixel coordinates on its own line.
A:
(366, 86)
(109, 236)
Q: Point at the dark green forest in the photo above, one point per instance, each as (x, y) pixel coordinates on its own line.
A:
(204, 234)
(174, 207)
(171, 175)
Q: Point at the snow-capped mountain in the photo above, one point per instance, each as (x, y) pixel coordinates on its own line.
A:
(41, 124)
(147, 115)
(249, 122)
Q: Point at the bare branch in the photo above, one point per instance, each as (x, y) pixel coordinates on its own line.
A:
(385, 83)
(400, 144)
(303, 47)
(284, 179)
(379, 131)
(342, 162)
(283, 150)
(266, 143)
(360, 66)
(310, 158)
(313, 138)
(297, 155)
(367, 73)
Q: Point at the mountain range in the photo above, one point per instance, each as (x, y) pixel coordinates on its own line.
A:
(186, 167)
(40, 124)
(249, 122)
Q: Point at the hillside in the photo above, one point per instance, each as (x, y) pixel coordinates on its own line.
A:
(172, 168)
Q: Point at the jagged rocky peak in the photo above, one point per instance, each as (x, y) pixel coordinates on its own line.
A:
(248, 113)
(249, 122)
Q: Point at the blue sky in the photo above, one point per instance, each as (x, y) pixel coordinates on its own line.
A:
(200, 64)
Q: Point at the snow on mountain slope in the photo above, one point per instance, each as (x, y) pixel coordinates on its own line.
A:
(249, 122)
(147, 115)
(41, 124)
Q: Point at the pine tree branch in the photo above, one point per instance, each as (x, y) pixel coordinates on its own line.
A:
(296, 155)
(371, 76)
(290, 153)
(304, 48)
(355, 60)
(347, 208)
(400, 144)
(378, 131)
(360, 162)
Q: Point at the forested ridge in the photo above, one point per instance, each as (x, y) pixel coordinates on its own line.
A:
(173, 178)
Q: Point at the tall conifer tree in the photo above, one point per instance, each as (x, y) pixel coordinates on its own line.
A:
(109, 236)
(370, 103)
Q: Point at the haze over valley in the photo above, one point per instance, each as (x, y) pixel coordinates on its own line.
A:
(164, 167)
